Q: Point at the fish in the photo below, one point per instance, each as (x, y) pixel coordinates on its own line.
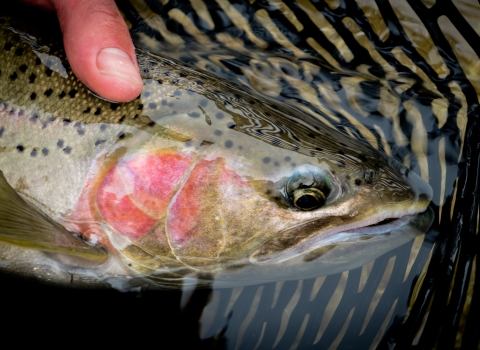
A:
(198, 179)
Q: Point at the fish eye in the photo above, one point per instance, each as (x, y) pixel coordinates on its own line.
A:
(308, 198)
(308, 187)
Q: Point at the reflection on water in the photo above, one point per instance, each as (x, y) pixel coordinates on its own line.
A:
(392, 78)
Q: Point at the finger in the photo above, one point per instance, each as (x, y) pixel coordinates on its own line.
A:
(99, 48)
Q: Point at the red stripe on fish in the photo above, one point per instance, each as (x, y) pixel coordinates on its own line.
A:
(196, 219)
(134, 194)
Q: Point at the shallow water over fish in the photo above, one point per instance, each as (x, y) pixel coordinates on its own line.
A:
(431, 149)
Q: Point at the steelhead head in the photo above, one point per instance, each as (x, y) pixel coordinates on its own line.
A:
(198, 178)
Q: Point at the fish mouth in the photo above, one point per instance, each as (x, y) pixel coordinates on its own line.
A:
(305, 238)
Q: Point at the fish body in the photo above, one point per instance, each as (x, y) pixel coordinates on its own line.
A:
(198, 178)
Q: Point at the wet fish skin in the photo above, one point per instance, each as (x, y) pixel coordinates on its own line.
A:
(59, 143)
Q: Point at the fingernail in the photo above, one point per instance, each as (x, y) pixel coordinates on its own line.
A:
(116, 62)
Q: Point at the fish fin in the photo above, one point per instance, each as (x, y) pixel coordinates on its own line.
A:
(23, 225)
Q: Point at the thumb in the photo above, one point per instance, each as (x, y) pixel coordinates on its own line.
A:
(99, 48)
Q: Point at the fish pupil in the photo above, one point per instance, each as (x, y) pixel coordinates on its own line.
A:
(308, 201)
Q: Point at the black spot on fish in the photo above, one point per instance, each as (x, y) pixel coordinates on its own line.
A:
(114, 106)
(229, 144)
(199, 82)
(159, 81)
(231, 125)
(66, 120)
(72, 93)
(135, 116)
(87, 110)
(217, 132)
(19, 51)
(341, 164)
(319, 149)
(23, 68)
(81, 132)
(177, 93)
(240, 147)
(167, 74)
(20, 148)
(121, 119)
(103, 127)
(45, 151)
(194, 114)
(341, 152)
(190, 93)
(266, 160)
(48, 92)
(62, 94)
(268, 192)
(219, 115)
(287, 159)
(33, 96)
(152, 123)
(98, 111)
(276, 164)
(342, 144)
(170, 104)
(121, 135)
(295, 138)
(33, 153)
(51, 119)
(2, 129)
(362, 158)
(48, 72)
(152, 105)
(164, 102)
(203, 103)
(146, 94)
(38, 61)
(99, 142)
(358, 182)
(32, 78)
(267, 114)
(182, 75)
(13, 76)
(347, 177)
(175, 80)
(7, 46)
(140, 107)
(188, 143)
(312, 136)
(60, 143)
(67, 150)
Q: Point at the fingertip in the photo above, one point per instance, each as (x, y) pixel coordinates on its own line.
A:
(99, 48)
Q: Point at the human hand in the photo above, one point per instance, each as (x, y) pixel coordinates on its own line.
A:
(98, 46)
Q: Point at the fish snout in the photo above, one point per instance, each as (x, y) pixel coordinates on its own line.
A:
(423, 191)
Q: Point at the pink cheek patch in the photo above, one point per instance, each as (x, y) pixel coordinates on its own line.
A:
(195, 205)
(135, 193)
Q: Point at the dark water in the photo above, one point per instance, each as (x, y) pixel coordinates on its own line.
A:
(292, 314)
